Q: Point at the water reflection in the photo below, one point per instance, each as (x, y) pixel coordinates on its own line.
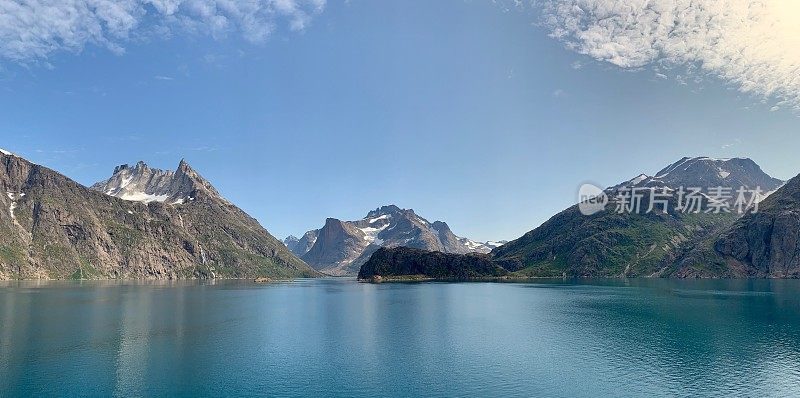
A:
(339, 337)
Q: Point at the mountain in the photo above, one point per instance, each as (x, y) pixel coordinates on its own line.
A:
(612, 243)
(291, 242)
(341, 247)
(143, 184)
(707, 172)
(764, 243)
(405, 263)
(56, 228)
(665, 242)
(303, 245)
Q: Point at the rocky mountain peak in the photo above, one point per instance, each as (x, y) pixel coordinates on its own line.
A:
(334, 225)
(386, 210)
(141, 183)
(440, 225)
(706, 172)
(301, 246)
(340, 247)
(120, 168)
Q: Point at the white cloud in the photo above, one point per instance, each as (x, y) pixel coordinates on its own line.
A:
(31, 30)
(752, 44)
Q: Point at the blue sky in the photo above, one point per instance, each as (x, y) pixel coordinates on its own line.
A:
(466, 111)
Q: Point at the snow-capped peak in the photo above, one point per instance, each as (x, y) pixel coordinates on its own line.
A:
(7, 153)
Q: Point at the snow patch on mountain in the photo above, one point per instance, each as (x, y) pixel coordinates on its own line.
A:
(371, 233)
(13, 206)
(146, 198)
(376, 219)
(495, 244)
(639, 179)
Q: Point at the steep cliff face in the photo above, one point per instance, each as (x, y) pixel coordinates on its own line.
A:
(766, 243)
(55, 228)
(337, 245)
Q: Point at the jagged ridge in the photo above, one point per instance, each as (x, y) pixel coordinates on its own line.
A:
(341, 247)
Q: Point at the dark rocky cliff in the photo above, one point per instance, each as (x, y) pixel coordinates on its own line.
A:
(766, 243)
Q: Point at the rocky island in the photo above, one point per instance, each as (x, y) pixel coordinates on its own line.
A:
(408, 264)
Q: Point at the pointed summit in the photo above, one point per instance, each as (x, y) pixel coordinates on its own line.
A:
(144, 184)
(384, 210)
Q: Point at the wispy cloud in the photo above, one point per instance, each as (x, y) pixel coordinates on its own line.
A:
(752, 44)
(160, 77)
(32, 30)
(735, 142)
(204, 149)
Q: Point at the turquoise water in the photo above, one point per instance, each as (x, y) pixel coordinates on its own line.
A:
(342, 338)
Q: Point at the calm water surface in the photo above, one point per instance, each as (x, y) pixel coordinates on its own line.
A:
(342, 338)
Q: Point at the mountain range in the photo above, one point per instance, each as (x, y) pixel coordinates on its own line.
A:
(142, 223)
(763, 242)
(339, 248)
(146, 223)
(627, 244)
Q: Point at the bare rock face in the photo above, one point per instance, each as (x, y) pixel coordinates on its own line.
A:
(54, 228)
(766, 243)
(141, 183)
(341, 247)
(337, 245)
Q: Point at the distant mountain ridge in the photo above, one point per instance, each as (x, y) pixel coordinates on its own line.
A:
(341, 247)
(669, 243)
(706, 172)
(55, 228)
